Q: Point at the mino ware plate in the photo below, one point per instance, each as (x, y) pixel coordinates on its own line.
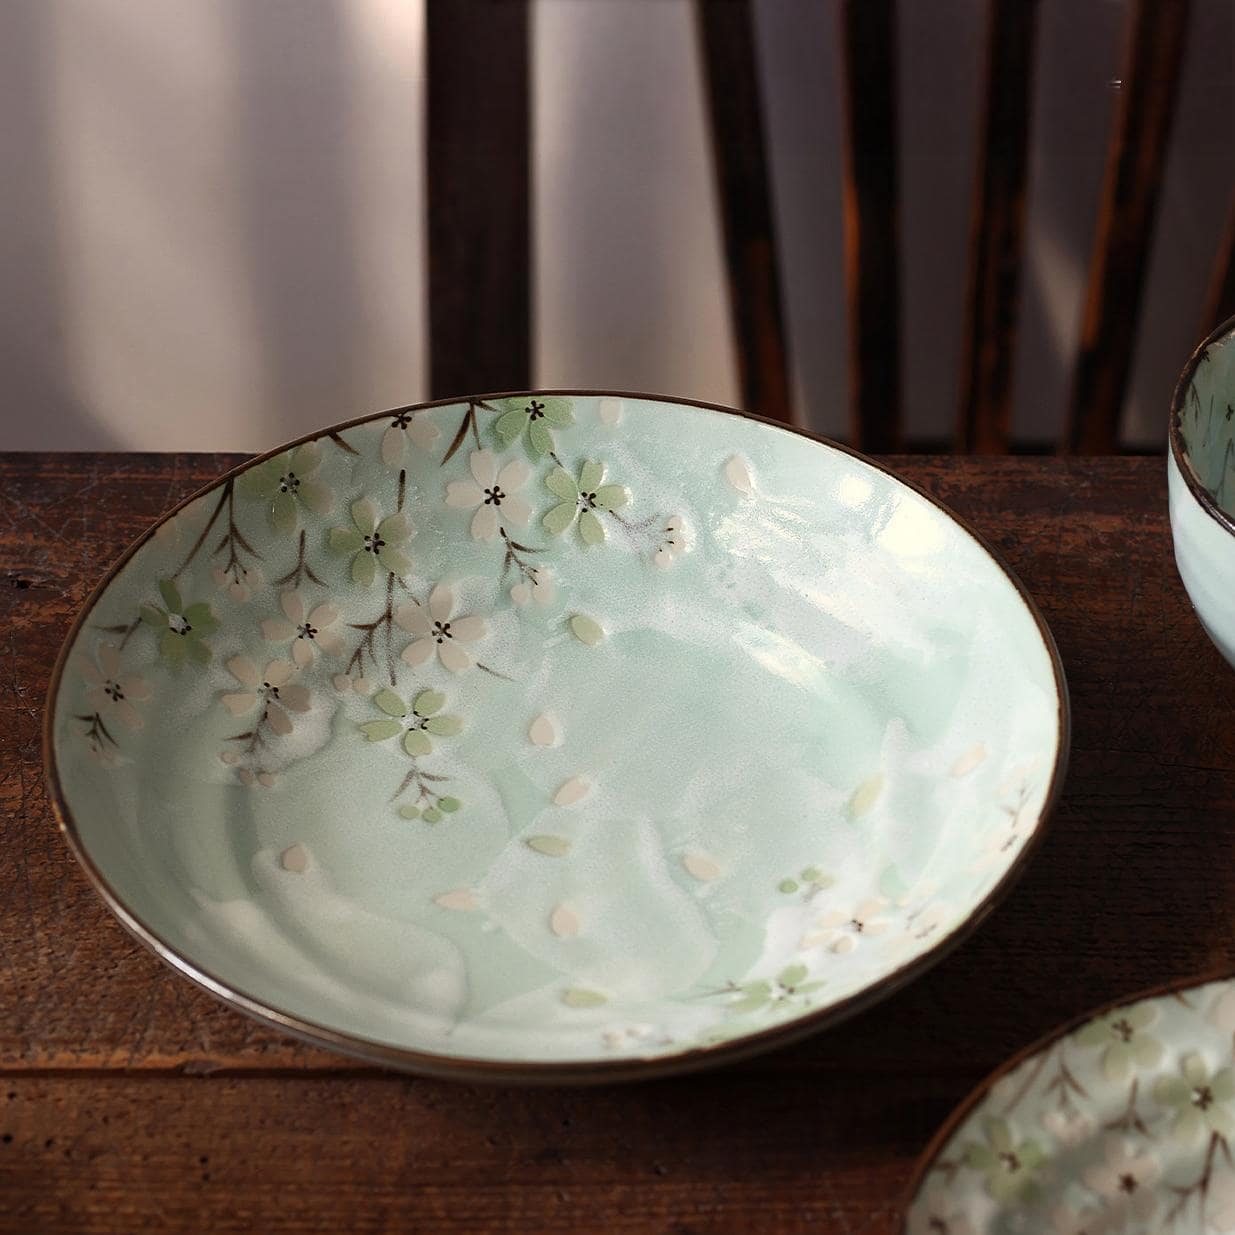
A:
(1124, 1122)
(555, 736)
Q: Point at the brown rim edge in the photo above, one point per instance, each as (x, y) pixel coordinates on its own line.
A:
(976, 1095)
(533, 1072)
(1175, 436)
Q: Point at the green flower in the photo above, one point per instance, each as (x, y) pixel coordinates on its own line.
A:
(287, 482)
(183, 626)
(372, 542)
(785, 988)
(582, 499)
(533, 417)
(1010, 1168)
(1126, 1046)
(415, 723)
(1199, 1100)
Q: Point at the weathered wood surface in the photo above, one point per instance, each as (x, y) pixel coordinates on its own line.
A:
(117, 1077)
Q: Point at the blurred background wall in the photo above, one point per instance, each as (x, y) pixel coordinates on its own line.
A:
(212, 211)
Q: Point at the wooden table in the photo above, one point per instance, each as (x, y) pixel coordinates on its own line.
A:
(131, 1102)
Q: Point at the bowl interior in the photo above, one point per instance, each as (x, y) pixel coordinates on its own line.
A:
(373, 735)
(1206, 420)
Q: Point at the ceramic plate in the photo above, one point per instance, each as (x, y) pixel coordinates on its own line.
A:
(555, 735)
(1124, 1121)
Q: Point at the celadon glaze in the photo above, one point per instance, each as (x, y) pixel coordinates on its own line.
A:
(1202, 513)
(1125, 1124)
(556, 728)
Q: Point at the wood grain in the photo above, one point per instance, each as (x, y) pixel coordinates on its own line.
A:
(872, 247)
(123, 1077)
(479, 190)
(1220, 298)
(744, 190)
(1136, 161)
(997, 229)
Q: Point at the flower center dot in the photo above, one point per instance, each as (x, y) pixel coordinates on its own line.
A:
(535, 410)
(1127, 1183)
(441, 631)
(374, 543)
(402, 420)
(289, 483)
(1122, 1030)
(1010, 1161)
(1202, 1097)
(306, 631)
(178, 623)
(112, 691)
(494, 496)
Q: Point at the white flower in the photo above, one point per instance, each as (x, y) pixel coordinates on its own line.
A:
(310, 632)
(239, 582)
(938, 1213)
(110, 692)
(1065, 1221)
(842, 931)
(272, 689)
(538, 586)
(403, 425)
(673, 543)
(345, 683)
(1125, 1181)
(493, 495)
(438, 631)
(1222, 1013)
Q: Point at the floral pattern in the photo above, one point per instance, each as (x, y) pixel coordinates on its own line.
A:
(374, 542)
(438, 630)
(1106, 1129)
(581, 499)
(296, 628)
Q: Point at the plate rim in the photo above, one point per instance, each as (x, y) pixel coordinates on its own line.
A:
(974, 1098)
(549, 1072)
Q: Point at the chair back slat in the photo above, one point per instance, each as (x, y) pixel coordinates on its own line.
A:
(727, 46)
(997, 229)
(479, 214)
(872, 263)
(1220, 299)
(1135, 160)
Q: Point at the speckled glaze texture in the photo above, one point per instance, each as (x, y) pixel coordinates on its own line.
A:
(1124, 1123)
(1201, 477)
(555, 729)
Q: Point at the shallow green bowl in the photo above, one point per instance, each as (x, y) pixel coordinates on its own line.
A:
(555, 737)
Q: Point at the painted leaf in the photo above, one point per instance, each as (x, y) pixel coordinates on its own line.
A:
(583, 999)
(409, 811)
(201, 619)
(557, 411)
(462, 900)
(444, 726)
(564, 922)
(449, 805)
(364, 515)
(364, 569)
(283, 513)
(416, 742)
(700, 866)
(550, 846)
(394, 560)
(171, 595)
(791, 975)
(197, 651)
(738, 474)
(611, 497)
(787, 886)
(539, 439)
(591, 528)
(380, 730)
(510, 424)
(586, 630)
(428, 702)
(559, 518)
(866, 795)
(152, 617)
(560, 484)
(390, 703)
(432, 815)
(750, 1003)
(590, 476)
(345, 540)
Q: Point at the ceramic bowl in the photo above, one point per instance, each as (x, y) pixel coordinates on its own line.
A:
(1201, 480)
(555, 736)
(1121, 1121)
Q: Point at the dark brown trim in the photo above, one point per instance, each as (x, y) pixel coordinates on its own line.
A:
(1179, 449)
(744, 192)
(948, 1130)
(554, 1073)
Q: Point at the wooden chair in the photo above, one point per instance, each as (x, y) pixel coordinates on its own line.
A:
(479, 261)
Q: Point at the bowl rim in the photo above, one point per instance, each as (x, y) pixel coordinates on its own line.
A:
(1175, 434)
(548, 1072)
(974, 1098)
